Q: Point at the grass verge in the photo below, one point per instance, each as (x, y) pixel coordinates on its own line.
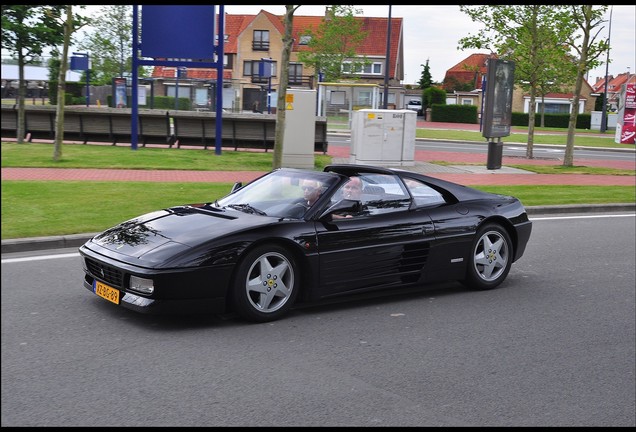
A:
(36, 208)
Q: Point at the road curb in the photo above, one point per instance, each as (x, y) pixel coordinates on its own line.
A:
(578, 208)
(76, 240)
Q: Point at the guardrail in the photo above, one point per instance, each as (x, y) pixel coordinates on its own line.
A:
(255, 131)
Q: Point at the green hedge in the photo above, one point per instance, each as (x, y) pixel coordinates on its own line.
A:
(583, 121)
(469, 114)
(454, 113)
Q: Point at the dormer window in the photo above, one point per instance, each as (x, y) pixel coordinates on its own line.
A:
(304, 40)
(261, 40)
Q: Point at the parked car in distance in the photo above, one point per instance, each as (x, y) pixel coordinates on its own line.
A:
(263, 248)
(415, 105)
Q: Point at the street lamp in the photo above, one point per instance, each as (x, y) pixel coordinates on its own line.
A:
(604, 112)
(82, 63)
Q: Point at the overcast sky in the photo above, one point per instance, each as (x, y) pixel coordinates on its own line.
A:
(433, 32)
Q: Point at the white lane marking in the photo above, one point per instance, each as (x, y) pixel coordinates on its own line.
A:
(39, 258)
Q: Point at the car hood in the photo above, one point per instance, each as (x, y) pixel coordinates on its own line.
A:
(171, 231)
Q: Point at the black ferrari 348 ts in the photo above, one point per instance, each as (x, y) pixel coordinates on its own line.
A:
(298, 236)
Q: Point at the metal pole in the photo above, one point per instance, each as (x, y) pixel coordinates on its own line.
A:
(134, 119)
(88, 89)
(176, 90)
(88, 60)
(269, 95)
(604, 112)
(385, 99)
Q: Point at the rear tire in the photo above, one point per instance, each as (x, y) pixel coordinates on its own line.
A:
(266, 284)
(490, 258)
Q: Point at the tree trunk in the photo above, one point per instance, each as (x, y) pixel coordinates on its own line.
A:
(21, 95)
(568, 159)
(61, 86)
(531, 117)
(279, 133)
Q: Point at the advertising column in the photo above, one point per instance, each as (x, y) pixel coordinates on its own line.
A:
(119, 90)
(626, 124)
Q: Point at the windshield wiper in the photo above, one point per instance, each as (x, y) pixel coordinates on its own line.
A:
(246, 208)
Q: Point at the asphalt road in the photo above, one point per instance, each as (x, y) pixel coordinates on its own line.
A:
(553, 346)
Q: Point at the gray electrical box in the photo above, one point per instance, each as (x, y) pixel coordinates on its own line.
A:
(383, 137)
(300, 129)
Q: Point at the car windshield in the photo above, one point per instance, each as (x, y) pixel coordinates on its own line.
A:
(285, 193)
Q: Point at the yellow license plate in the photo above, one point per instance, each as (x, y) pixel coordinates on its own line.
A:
(107, 292)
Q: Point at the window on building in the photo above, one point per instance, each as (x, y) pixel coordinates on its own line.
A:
(374, 68)
(554, 108)
(467, 101)
(337, 97)
(364, 98)
(261, 40)
(295, 73)
(250, 69)
(304, 40)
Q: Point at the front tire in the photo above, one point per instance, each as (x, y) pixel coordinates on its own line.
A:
(266, 284)
(490, 258)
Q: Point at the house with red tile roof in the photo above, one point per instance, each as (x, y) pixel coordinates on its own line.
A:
(471, 72)
(249, 39)
(614, 87)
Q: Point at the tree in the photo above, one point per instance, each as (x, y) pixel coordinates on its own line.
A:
(587, 21)
(61, 85)
(110, 44)
(528, 35)
(434, 96)
(425, 80)
(334, 45)
(279, 132)
(26, 32)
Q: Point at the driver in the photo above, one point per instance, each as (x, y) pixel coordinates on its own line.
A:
(311, 192)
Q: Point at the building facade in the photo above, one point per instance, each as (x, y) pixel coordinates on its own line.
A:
(252, 42)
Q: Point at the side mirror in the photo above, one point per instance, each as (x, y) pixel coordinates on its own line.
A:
(236, 186)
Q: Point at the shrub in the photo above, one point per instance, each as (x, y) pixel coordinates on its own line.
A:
(454, 113)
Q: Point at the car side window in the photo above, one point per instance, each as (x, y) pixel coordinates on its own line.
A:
(423, 194)
(382, 193)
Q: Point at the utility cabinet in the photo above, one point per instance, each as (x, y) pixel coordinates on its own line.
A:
(383, 137)
(300, 129)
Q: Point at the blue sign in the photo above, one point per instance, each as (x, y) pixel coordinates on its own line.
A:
(265, 68)
(177, 32)
(79, 63)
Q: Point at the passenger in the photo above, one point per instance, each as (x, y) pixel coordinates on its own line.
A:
(352, 190)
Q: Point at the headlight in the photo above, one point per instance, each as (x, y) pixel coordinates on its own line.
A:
(141, 285)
